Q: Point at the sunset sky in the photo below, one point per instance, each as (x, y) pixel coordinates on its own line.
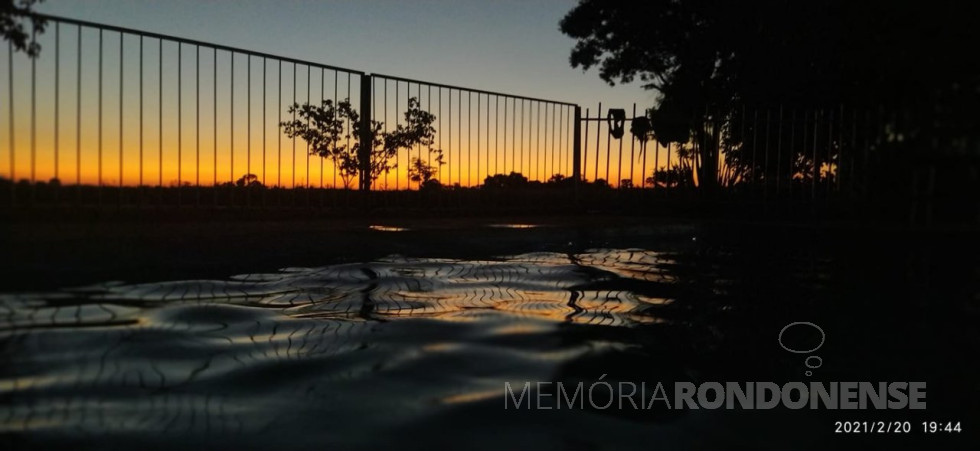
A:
(503, 46)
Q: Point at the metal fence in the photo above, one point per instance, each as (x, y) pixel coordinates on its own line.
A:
(769, 151)
(481, 133)
(110, 114)
(111, 109)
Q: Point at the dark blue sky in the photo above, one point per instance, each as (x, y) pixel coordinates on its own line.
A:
(502, 45)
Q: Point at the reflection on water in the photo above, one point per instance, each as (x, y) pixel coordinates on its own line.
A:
(513, 226)
(384, 228)
(239, 356)
(413, 350)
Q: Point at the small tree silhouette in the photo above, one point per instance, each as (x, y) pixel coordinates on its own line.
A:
(248, 180)
(420, 171)
(322, 127)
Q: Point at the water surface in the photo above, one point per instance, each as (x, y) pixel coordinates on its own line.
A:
(414, 352)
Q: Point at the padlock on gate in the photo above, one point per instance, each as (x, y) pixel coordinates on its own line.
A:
(617, 119)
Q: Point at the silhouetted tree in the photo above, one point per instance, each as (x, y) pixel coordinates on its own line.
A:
(421, 172)
(514, 180)
(704, 57)
(322, 127)
(430, 185)
(248, 180)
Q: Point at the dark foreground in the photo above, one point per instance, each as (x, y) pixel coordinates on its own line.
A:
(377, 337)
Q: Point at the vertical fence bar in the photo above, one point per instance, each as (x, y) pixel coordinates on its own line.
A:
(632, 146)
(488, 136)
(830, 145)
(805, 139)
(530, 139)
(565, 153)
(643, 166)
(553, 135)
(57, 104)
(449, 170)
(854, 122)
(279, 140)
(608, 157)
(619, 165)
(816, 167)
(598, 127)
(577, 144)
(141, 123)
(791, 149)
(121, 118)
(779, 151)
(497, 164)
(584, 152)
(336, 89)
(160, 122)
(520, 165)
(544, 144)
(540, 141)
(656, 161)
(469, 138)
(10, 116)
(765, 163)
(214, 125)
(248, 129)
(385, 96)
(348, 119)
(366, 137)
(306, 183)
(78, 118)
(397, 151)
(840, 149)
(428, 108)
(513, 134)
(197, 123)
(292, 184)
(439, 91)
(323, 88)
(478, 124)
(231, 128)
(33, 122)
(755, 146)
(180, 123)
(100, 119)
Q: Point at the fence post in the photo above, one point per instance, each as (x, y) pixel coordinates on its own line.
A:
(577, 145)
(366, 138)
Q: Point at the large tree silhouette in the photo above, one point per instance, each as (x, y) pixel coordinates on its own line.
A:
(704, 57)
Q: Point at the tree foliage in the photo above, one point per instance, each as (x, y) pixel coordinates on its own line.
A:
(329, 128)
(13, 15)
(697, 52)
(705, 57)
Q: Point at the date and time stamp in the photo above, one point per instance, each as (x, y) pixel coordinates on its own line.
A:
(928, 427)
(898, 427)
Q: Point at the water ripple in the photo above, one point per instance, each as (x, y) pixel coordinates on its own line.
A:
(229, 358)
